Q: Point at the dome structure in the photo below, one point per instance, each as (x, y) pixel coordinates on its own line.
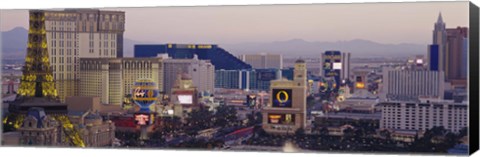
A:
(300, 61)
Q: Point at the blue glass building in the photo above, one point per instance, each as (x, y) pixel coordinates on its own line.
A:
(219, 57)
(433, 59)
(253, 79)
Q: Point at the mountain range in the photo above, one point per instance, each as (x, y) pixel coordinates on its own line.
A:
(13, 45)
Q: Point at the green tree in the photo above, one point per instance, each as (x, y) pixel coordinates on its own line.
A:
(225, 116)
(171, 125)
(197, 120)
(324, 132)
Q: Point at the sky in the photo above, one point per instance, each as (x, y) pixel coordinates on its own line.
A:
(388, 23)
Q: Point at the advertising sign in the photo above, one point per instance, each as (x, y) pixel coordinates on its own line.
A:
(251, 100)
(143, 118)
(282, 98)
(288, 119)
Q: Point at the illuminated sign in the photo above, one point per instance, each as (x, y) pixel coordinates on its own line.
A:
(360, 85)
(143, 119)
(185, 99)
(332, 63)
(288, 119)
(337, 66)
(282, 98)
(419, 61)
(341, 98)
(251, 100)
(204, 46)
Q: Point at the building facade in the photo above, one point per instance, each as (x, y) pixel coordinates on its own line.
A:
(424, 115)
(93, 130)
(286, 110)
(412, 84)
(218, 56)
(433, 57)
(201, 71)
(440, 39)
(78, 33)
(455, 48)
(38, 129)
(263, 61)
(254, 79)
(112, 79)
(335, 64)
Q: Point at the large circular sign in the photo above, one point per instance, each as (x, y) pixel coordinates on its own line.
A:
(282, 96)
(144, 94)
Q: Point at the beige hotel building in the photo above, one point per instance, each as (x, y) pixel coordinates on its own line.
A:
(286, 110)
(80, 33)
(112, 79)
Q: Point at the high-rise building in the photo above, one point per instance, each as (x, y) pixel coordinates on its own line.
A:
(455, 53)
(286, 111)
(219, 57)
(412, 84)
(80, 33)
(440, 39)
(423, 115)
(253, 79)
(263, 61)
(433, 57)
(112, 79)
(201, 71)
(335, 64)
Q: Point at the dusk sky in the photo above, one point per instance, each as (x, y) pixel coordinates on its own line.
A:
(391, 23)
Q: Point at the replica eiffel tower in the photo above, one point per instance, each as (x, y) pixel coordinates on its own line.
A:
(37, 88)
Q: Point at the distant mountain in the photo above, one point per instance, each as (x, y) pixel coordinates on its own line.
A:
(14, 43)
(299, 47)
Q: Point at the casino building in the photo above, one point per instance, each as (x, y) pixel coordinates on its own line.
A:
(286, 110)
(218, 56)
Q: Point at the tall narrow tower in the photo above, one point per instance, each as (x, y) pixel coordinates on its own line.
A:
(37, 79)
(440, 39)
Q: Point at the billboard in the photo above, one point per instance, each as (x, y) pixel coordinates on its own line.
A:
(288, 119)
(251, 100)
(185, 99)
(332, 63)
(143, 118)
(282, 98)
(359, 84)
(337, 66)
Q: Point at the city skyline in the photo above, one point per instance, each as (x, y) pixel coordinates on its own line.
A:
(78, 89)
(245, 24)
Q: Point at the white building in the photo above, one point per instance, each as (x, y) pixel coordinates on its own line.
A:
(263, 61)
(201, 71)
(79, 33)
(424, 115)
(401, 84)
